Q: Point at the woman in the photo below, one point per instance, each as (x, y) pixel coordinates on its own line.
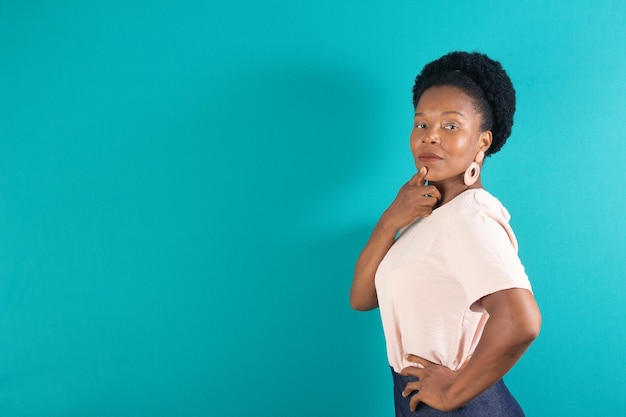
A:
(441, 264)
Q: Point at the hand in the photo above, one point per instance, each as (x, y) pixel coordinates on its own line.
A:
(433, 385)
(415, 199)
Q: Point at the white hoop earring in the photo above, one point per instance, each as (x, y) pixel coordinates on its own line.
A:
(471, 174)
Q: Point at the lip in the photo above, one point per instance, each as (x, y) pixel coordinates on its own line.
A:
(429, 157)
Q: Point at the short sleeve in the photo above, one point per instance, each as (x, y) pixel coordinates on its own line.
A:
(483, 252)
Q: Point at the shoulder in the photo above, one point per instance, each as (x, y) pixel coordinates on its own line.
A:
(478, 215)
(478, 202)
(482, 200)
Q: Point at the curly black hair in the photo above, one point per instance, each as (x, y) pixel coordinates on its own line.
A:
(482, 79)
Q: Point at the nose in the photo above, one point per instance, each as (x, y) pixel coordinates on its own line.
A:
(430, 136)
(424, 135)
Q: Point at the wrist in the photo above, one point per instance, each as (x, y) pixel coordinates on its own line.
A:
(387, 225)
(459, 392)
(454, 396)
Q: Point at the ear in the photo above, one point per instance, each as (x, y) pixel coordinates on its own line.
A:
(484, 141)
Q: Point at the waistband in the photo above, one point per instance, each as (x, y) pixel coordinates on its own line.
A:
(496, 401)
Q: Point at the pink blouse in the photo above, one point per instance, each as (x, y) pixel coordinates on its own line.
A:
(430, 283)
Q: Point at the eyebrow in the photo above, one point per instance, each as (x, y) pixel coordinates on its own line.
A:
(444, 113)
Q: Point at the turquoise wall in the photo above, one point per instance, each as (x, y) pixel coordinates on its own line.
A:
(185, 186)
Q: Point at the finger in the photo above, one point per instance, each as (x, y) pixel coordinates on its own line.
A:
(415, 400)
(411, 371)
(432, 191)
(410, 388)
(419, 360)
(464, 364)
(418, 179)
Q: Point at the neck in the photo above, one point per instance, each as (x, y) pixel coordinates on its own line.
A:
(451, 188)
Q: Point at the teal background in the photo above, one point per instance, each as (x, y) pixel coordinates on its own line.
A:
(185, 186)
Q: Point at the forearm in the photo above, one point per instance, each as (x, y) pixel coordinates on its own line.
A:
(513, 324)
(500, 347)
(363, 291)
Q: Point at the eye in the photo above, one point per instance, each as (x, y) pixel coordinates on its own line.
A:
(420, 125)
(451, 126)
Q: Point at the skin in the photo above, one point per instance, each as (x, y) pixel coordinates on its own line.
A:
(447, 125)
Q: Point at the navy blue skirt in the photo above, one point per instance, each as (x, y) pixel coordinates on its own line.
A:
(496, 401)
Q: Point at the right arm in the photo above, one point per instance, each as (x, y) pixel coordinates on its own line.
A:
(363, 292)
(413, 200)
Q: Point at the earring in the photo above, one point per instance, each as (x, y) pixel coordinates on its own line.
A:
(473, 171)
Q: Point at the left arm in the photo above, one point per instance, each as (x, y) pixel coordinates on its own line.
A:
(513, 324)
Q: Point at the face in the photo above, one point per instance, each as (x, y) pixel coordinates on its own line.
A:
(446, 134)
